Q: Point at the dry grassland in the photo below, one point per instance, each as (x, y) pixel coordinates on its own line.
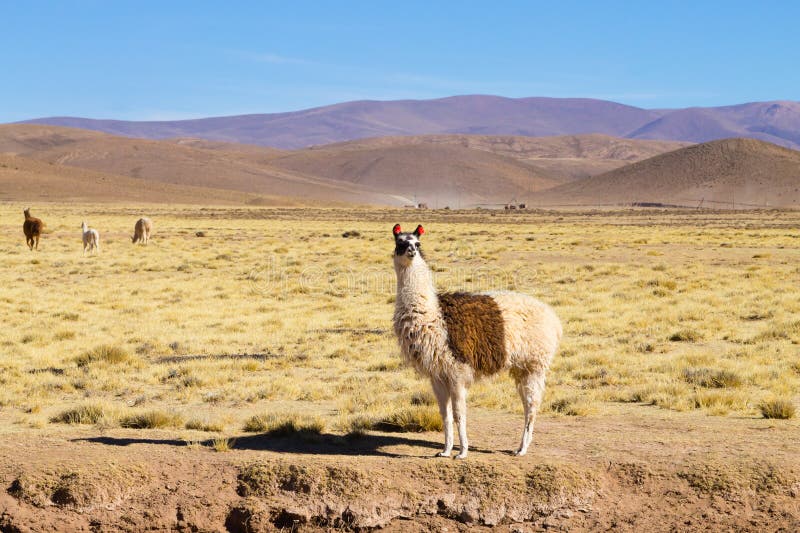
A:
(274, 320)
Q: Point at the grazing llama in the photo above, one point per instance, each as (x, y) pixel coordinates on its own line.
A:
(91, 239)
(453, 338)
(32, 227)
(141, 232)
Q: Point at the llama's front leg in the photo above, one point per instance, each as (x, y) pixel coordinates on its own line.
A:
(459, 398)
(442, 393)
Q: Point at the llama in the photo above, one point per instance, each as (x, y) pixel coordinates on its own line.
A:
(91, 239)
(32, 228)
(454, 338)
(141, 232)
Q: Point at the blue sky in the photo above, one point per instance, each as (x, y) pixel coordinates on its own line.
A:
(172, 60)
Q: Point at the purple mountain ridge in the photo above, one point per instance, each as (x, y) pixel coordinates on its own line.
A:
(776, 122)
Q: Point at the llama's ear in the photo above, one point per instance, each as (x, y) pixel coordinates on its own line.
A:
(419, 231)
(396, 230)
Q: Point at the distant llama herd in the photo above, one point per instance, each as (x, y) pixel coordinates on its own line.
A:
(32, 227)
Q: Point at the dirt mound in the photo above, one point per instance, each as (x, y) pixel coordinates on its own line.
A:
(727, 173)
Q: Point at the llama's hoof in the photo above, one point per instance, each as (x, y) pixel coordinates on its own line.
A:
(462, 455)
(443, 454)
(520, 453)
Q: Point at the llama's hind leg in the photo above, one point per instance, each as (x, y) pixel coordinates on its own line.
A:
(442, 393)
(531, 389)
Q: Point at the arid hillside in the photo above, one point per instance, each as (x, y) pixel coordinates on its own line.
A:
(436, 174)
(565, 157)
(241, 169)
(23, 179)
(726, 173)
(439, 170)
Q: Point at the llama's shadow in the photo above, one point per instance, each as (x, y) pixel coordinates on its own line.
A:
(371, 444)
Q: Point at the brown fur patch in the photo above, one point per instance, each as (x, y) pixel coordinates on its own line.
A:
(475, 330)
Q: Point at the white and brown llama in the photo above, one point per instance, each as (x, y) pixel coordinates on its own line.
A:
(91, 239)
(141, 231)
(454, 338)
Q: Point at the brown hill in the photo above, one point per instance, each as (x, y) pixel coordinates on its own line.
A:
(731, 172)
(27, 180)
(177, 164)
(565, 157)
(437, 174)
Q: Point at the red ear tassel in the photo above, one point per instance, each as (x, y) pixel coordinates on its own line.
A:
(420, 230)
(396, 229)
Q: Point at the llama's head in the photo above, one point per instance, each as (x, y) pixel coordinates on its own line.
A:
(27, 212)
(84, 227)
(406, 245)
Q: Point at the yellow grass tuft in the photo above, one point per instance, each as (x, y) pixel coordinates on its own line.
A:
(151, 420)
(779, 408)
(411, 419)
(92, 413)
(283, 424)
(222, 444)
(105, 354)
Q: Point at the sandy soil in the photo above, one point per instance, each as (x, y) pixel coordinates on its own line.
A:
(633, 469)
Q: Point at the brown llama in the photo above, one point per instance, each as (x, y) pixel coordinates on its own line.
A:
(32, 227)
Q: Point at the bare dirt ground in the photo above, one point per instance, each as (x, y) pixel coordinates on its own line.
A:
(636, 469)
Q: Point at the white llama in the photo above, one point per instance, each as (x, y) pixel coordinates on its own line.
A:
(453, 338)
(91, 239)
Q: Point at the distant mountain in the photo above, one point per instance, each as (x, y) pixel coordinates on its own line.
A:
(484, 115)
(777, 122)
(726, 173)
(456, 170)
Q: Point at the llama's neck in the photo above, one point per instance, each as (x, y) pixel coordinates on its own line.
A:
(418, 321)
(415, 288)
